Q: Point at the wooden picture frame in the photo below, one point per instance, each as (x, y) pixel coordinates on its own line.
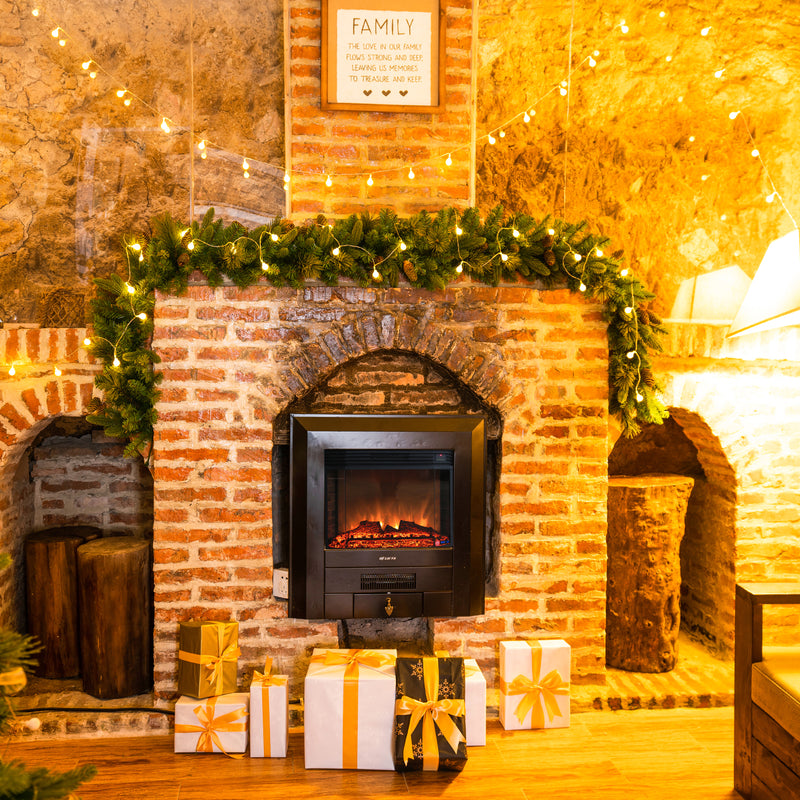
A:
(383, 55)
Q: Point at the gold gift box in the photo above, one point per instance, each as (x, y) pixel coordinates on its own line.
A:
(208, 658)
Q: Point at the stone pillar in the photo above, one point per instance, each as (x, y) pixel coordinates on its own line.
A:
(646, 515)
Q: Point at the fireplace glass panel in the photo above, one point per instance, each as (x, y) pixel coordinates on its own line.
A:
(378, 499)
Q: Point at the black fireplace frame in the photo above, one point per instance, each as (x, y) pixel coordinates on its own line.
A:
(310, 436)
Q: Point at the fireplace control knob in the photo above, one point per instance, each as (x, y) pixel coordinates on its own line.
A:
(388, 608)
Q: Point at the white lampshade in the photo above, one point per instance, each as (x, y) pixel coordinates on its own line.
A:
(712, 298)
(773, 300)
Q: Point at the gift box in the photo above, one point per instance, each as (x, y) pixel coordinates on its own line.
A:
(475, 699)
(208, 658)
(269, 714)
(430, 728)
(214, 725)
(534, 684)
(349, 709)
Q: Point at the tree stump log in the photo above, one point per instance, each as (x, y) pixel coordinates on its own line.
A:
(116, 616)
(51, 594)
(646, 522)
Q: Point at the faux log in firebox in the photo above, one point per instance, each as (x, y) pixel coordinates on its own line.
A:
(386, 516)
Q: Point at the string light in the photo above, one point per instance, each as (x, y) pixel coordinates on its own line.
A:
(624, 272)
(56, 371)
(515, 233)
(87, 341)
(370, 182)
(577, 257)
(705, 31)
(142, 316)
(411, 173)
(449, 160)
(403, 245)
(733, 115)
(630, 354)
(336, 251)
(623, 27)
(503, 257)
(582, 287)
(502, 134)
(286, 177)
(120, 93)
(190, 246)
(771, 197)
(54, 32)
(116, 361)
(460, 268)
(245, 164)
(86, 64)
(12, 371)
(639, 397)
(704, 177)
(130, 289)
(376, 276)
(754, 152)
(35, 12)
(264, 266)
(459, 231)
(274, 237)
(164, 125)
(629, 310)
(328, 181)
(719, 73)
(526, 117)
(492, 140)
(598, 252)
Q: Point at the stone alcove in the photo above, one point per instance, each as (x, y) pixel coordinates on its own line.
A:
(685, 445)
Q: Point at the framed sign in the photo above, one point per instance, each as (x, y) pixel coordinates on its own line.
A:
(383, 55)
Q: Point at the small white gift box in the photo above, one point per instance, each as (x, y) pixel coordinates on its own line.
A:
(212, 725)
(534, 684)
(269, 714)
(475, 697)
(349, 709)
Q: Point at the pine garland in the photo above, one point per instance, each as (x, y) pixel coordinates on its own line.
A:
(429, 251)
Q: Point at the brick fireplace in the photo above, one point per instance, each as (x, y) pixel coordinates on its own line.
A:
(237, 362)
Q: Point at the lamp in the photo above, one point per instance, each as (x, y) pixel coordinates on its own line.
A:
(773, 299)
(710, 299)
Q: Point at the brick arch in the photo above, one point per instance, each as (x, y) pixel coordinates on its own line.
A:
(686, 445)
(475, 364)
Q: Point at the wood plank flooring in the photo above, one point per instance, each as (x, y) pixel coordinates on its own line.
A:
(629, 755)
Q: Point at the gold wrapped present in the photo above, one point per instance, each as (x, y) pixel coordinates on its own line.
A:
(208, 658)
(534, 684)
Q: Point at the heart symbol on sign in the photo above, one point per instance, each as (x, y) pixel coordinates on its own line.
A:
(386, 92)
(404, 92)
(367, 92)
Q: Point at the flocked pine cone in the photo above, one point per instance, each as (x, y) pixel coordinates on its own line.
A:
(410, 271)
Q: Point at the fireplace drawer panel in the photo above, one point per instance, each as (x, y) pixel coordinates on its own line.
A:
(338, 606)
(388, 579)
(404, 604)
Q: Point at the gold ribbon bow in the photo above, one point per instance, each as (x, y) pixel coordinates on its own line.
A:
(211, 726)
(433, 713)
(13, 681)
(214, 663)
(352, 661)
(266, 680)
(532, 689)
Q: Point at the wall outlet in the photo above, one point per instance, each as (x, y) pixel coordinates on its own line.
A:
(280, 583)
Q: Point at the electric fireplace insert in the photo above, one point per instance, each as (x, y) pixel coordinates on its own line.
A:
(386, 516)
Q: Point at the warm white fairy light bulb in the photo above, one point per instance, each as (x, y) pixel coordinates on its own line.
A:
(460, 268)
(592, 63)
(692, 138)
(245, 164)
(62, 42)
(264, 266)
(624, 272)
(286, 177)
(733, 115)
(336, 251)
(126, 101)
(411, 173)
(131, 289)
(87, 341)
(623, 27)
(704, 177)
(771, 197)
(12, 370)
(328, 181)
(582, 287)
(370, 182)
(629, 310)
(120, 93)
(723, 217)
(246, 174)
(86, 65)
(56, 372)
(598, 252)
(136, 246)
(515, 233)
(190, 246)
(376, 276)
(142, 316)
(577, 257)
(705, 31)
(503, 257)
(35, 12)
(115, 362)
(92, 74)
(492, 140)
(668, 59)
(165, 125)
(459, 230)
(403, 245)
(563, 91)
(754, 152)
(719, 73)
(201, 145)
(449, 160)
(502, 134)
(551, 232)
(54, 33)
(639, 397)
(526, 117)
(630, 354)
(274, 237)
(662, 14)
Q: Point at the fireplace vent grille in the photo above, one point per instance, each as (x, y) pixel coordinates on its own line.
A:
(388, 582)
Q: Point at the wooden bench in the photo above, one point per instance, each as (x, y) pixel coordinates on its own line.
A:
(766, 700)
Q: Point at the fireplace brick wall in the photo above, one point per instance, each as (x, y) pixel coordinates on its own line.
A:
(234, 359)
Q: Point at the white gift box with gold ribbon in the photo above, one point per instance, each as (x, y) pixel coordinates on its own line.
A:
(349, 709)
(475, 697)
(534, 684)
(269, 714)
(212, 725)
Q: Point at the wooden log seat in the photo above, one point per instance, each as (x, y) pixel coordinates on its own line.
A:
(114, 580)
(51, 594)
(766, 700)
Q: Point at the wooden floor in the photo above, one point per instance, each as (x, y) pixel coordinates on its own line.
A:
(676, 754)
